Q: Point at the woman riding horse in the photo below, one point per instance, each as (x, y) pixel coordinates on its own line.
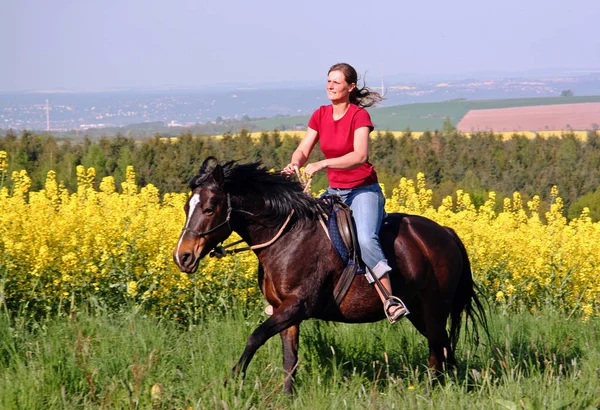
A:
(343, 128)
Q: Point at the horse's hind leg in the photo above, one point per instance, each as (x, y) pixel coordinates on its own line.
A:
(433, 327)
(289, 339)
(440, 351)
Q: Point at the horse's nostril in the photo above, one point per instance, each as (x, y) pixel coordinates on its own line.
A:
(185, 258)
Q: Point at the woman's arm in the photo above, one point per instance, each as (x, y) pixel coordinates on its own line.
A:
(350, 160)
(303, 151)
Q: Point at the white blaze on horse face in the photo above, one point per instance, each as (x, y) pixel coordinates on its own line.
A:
(194, 201)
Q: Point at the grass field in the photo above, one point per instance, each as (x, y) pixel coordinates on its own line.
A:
(123, 361)
(427, 116)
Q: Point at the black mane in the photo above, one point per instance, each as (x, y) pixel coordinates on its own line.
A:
(279, 193)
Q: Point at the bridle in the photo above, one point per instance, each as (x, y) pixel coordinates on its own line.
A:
(221, 251)
(226, 221)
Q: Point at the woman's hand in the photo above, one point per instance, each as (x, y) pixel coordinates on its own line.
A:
(290, 169)
(315, 167)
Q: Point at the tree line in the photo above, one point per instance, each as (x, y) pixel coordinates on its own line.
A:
(450, 160)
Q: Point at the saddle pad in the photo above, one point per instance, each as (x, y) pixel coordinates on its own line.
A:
(334, 205)
(336, 238)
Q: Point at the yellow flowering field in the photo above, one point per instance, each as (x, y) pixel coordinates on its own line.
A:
(519, 258)
(112, 248)
(109, 249)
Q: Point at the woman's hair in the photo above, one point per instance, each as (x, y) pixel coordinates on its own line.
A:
(363, 97)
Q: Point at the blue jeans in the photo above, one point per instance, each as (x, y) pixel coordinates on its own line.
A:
(367, 204)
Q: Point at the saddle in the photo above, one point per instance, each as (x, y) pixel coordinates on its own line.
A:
(342, 232)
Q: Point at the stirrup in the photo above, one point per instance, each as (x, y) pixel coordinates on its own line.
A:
(399, 313)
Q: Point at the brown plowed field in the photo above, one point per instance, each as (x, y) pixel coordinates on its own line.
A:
(536, 118)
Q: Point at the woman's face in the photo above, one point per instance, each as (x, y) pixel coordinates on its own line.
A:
(338, 90)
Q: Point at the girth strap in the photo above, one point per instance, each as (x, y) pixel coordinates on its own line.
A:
(344, 282)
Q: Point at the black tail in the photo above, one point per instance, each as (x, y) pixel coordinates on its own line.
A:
(466, 300)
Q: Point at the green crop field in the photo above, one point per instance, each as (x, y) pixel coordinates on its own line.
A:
(427, 116)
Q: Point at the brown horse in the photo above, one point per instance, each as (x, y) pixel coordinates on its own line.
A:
(299, 269)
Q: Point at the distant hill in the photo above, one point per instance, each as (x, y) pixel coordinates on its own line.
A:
(417, 117)
(425, 116)
(217, 109)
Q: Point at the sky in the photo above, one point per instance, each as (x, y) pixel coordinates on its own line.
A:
(106, 44)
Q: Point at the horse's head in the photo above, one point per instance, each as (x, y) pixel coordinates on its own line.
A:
(208, 211)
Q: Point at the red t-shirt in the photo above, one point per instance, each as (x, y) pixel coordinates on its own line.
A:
(337, 139)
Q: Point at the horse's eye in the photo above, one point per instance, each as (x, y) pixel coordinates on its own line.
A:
(209, 211)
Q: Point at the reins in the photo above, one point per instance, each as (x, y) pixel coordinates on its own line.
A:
(322, 215)
(221, 250)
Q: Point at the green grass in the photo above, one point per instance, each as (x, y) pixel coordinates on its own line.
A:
(428, 116)
(115, 361)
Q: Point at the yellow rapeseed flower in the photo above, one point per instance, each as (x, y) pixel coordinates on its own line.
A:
(132, 288)
(97, 239)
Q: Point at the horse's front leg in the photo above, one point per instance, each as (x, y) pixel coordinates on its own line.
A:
(290, 338)
(289, 313)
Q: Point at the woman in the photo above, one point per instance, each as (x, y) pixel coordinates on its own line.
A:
(343, 128)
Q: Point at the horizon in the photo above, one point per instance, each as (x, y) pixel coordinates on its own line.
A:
(393, 79)
(185, 45)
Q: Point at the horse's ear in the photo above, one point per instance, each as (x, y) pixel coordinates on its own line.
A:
(218, 175)
(208, 164)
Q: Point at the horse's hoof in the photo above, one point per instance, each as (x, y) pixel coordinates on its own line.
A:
(269, 310)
